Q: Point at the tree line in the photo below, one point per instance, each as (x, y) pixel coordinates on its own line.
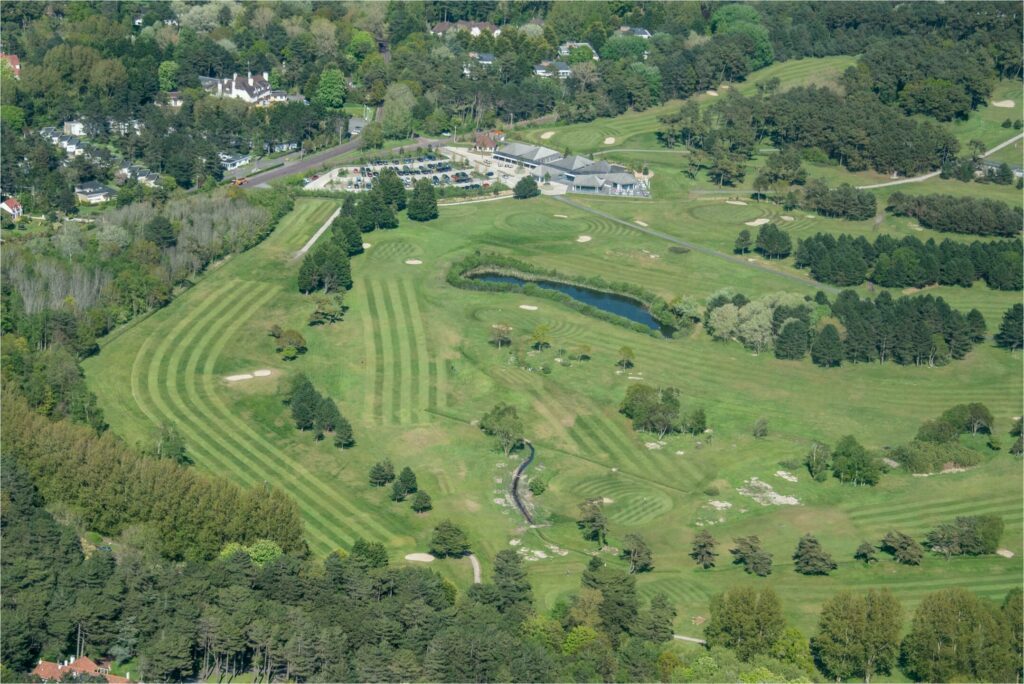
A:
(908, 262)
(969, 215)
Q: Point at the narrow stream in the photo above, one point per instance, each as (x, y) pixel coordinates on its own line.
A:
(515, 483)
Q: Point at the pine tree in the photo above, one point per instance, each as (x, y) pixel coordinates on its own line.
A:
(827, 348)
(792, 340)
(656, 623)
(305, 401)
(327, 415)
(309, 278)
(976, 327)
(374, 212)
(704, 550)
(160, 232)
(638, 553)
(592, 521)
(1011, 330)
(743, 242)
(382, 473)
(391, 188)
(746, 620)
(343, 437)
(904, 549)
(421, 503)
(423, 204)
(404, 485)
(751, 556)
(511, 581)
(448, 540)
(858, 636)
(346, 234)
(810, 559)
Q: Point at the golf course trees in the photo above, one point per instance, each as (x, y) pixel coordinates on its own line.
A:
(652, 409)
(592, 521)
(423, 203)
(626, 357)
(749, 554)
(903, 548)
(404, 485)
(743, 242)
(827, 348)
(819, 461)
(449, 540)
(526, 188)
(773, 242)
(381, 473)
(858, 635)
(866, 553)
(1011, 329)
(512, 582)
(957, 636)
(854, 464)
(656, 621)
(373, 212)
(312, 411)
(421, 503)
(638, 553)
(345, 231)
(746, 620)
(503, 422)
(501, 335)
(703, 550)
(810, 559)
(326, 267)
(391, 188)
(540, 338)
(973, 535)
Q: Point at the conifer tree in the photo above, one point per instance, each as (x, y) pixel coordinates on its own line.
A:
(448, 540)
(656, 622)
(305, 401)
(638, 553)
(1011, 330)
(421, 503)
(704, 550)
(743, 242)
(382, 473)
(827, 348)
(810, 559)
(327, 415)
(511, 581)
(423, 204)
(391, 188)
(866, 552)
(792, 340)
(343, 437)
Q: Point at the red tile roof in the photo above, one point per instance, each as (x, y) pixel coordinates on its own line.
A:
(53, 672)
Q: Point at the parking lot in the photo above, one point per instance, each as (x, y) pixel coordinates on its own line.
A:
(439, 171)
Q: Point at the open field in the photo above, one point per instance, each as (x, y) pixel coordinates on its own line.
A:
(411, 367)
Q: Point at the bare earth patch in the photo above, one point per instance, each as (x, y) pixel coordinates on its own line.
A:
(789, 477)
(584, 238)
(736, 203)
(546, 135)
(713, 93)
(609, 140)
(420, 558)
(639, 223)
(413, 262)
(757, 222)
(764, 494)
(1003, 104)
(720, 505)
(528, 307)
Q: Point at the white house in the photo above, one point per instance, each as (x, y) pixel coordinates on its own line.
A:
(93, 192)
(12, 207)
(547, 69)
(74, 128)
(233, 161)
(565, 48)
(251, 89)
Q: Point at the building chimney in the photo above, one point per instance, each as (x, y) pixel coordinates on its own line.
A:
(250, 78)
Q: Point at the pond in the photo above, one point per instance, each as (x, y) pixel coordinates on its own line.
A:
(612, 303)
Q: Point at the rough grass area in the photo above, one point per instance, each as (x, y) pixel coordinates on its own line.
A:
(411, 365)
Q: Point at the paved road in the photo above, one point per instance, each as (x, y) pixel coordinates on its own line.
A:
(933, 174)
(308, 162)
(477, 579)
(700, 248)
(317, 234)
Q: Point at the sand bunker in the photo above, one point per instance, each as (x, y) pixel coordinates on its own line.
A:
(786, 218)
(561, 216)
(263, 373)
(420, 558)
(609, 140)
(528, 307)
(713, 93)
(736, 203)
(546, 135)
(639, 223)
(413, 262)
(606, 500)
(367, 245)
(1005, 553)
(584, 238)
(757, 222)
(1003, 104)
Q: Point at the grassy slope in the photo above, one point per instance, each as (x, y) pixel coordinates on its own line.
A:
(411, 367)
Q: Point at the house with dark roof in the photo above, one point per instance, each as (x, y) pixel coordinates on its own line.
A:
(73, 668)
(527, 156)
(233, 161)
(549, 69)
(93, 192)
(252, 89)
(474, 28)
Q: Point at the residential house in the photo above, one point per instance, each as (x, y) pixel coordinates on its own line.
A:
(12, 207)
(125, 127)
(485, 141)
(74, 128)
(548, 69)
(484, 59)
(51, 133)
(173, 99)
(474, 28)
(633, 31)
(251, 89)
(233, 161)
(76, 667)
(280, 147)
(565, 48)
(13, 62)
(93, 192)
(72, 145)
(140, 173)
(356, 124)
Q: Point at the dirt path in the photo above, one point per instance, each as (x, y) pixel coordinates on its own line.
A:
(933, 174)
(475, 201)
(476, 569)
(692, 640)
(317, 234)
(700, 248)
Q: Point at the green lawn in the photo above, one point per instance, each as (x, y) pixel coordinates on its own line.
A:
(412, 367)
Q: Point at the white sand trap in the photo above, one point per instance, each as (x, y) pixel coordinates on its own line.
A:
(1003, 104)
(262, 373)
(786, 218)
(584, 238)
(546, 135)
(561, 216)
(1005, 553)
(240, 377)
(413, 262)
(757, 222)
(606, 500)
(713, 93)
(528, 307)
(736, 203)
(751, 259)
(786, 475)
(639, 223)
(420, 558)
(609, 140)
(367, 245)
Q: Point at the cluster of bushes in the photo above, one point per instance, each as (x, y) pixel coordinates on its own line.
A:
(970, 215)
(678, 314)
(312, 411)
(844, 201)
(908, 262)
(658, 410)
(288, 343)
(780, 320)
(382, 473)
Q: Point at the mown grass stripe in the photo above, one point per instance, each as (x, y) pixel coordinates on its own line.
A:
(289, 469)
(886, 511)
(392, 358)
(422, 358)
(371, 392)
(381, 405)
(405, 348)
